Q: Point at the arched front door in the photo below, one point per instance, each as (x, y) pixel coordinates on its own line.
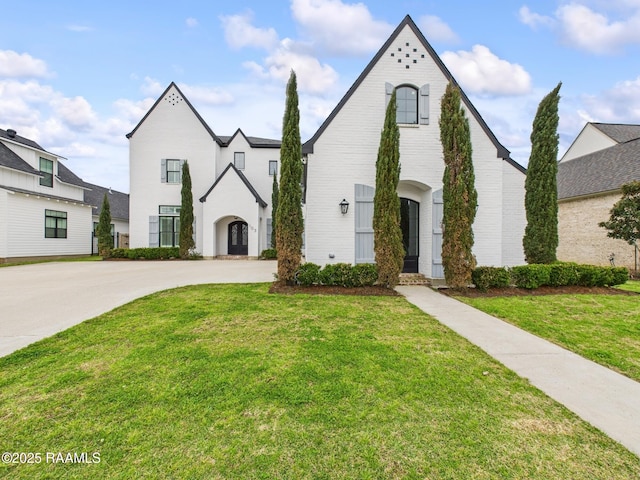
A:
(409, 221)
(238, 238)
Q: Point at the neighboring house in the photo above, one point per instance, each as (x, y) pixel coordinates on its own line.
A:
(232, 176)
(340, 164)
(43, 212)
(600, 160)
(118, 208)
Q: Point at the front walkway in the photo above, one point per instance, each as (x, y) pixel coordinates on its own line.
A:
(39, 300)
(602, 397)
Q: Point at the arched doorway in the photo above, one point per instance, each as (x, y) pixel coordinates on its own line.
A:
(409, 223)
(238, 238)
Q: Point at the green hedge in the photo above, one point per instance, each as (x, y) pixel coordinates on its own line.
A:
(490, 277)
(337, 274)
(555, 275)
(269, 254)
(154, 253)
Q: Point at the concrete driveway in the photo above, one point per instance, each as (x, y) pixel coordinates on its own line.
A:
(37, 301)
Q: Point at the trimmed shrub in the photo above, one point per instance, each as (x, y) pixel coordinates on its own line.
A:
(364, 274)
(337, 274)
(590, 276)
(269, 254)
(620, 275)
(563, 274)
(490, 277)
(308, 274)
(531, 276)
(154, 253)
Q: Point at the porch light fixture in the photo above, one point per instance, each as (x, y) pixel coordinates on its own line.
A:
(344, 206)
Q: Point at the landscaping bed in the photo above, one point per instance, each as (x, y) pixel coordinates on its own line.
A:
(331, 290)
(524, 292)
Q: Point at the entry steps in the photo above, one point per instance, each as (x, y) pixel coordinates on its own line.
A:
(414, 279)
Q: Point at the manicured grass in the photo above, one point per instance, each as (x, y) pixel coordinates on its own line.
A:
(602, 328)
(92, 258)
(232, 382)
(631, 285)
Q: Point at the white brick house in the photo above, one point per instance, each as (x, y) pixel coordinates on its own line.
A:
(231, 176)
(340, 162)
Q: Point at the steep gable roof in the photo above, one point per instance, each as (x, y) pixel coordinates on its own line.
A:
(67, 176)
(244, 179)
(599, 172)
(18, 139)
(9, 159)
(620, 133)
(254, 142)
(502, 152)
(195, 112)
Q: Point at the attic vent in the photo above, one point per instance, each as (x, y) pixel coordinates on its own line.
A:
(173, 99)
(412, 56)
(11, 133)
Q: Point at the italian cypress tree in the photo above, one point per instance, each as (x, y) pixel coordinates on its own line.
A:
(186, 214)
(459, 193)
(387, 235)
(274, 208)
(540, 239)
(105, 240)
(289, 222)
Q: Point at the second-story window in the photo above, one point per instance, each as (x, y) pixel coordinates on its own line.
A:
(46, 168)
(238, 160)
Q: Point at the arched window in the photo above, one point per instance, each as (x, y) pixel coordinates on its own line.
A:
(407, 105)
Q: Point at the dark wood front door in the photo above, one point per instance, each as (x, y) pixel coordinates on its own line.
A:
(409, 220)
(238, 238)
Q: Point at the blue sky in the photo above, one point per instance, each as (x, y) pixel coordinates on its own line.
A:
(77, 76)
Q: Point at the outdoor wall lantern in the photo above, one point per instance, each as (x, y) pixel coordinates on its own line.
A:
(344, 206)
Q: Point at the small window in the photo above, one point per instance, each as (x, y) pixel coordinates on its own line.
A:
(46, 168)
(238, 160)
(273, 167)
(173, 171)
(55, 224)
(407, 105)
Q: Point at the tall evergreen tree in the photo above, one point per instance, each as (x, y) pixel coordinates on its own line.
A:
(459, 193)
(186, 214)
(103, 230)
(275, 193)
(541, 197)
(387, 235)
(289, 222)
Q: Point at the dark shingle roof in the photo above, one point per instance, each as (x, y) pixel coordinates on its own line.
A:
(619, 132)
(11, 160)
(67, 176)
(254, 142)
(244, 179)
(598, 172)
(118, 201)
(19, 139)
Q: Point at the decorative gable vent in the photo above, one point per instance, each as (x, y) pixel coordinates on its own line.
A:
(408, 55)
(173, 98)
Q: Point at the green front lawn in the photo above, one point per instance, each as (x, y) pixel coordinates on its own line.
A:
(631, 285)
(602, 328)
(232, 382)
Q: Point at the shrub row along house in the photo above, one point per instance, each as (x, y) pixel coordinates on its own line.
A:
(232, 176)
(601, 159)
(45, 209)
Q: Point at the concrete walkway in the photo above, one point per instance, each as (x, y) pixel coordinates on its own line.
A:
(39, 300)
(607, 400)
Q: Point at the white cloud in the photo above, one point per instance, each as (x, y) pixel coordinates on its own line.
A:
(13, 64)
(239, 32)
(207, 95)
(191, 22)
(312, 76)
(75, 112)
(534, 20)
(481, 71)
(340, 28)
(595, 32)
(436, 30)
(152, 87)
(620, 104)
